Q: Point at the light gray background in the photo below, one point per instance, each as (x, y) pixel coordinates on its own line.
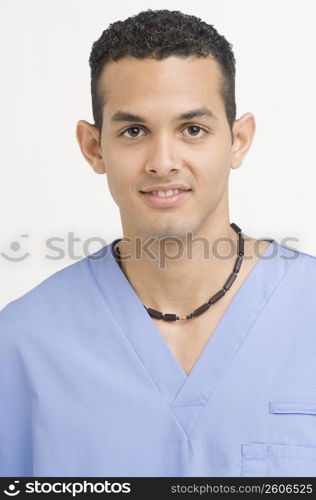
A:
(49, 191)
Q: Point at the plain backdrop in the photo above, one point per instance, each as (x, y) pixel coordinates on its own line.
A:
(48, 190)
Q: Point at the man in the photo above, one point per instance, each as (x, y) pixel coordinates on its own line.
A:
(184, 348)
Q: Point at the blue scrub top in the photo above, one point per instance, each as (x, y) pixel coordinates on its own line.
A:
(89, 387)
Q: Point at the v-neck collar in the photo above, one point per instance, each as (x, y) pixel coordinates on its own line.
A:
(186, 394)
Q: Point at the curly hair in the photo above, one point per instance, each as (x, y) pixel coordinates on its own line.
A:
(159, 34)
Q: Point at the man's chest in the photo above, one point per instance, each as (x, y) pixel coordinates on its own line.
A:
(187, 339)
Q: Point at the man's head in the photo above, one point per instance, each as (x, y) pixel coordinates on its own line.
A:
(160, 34)
(164, 109)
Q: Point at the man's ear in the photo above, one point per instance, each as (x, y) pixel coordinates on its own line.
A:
(88, 140)
(243, 132)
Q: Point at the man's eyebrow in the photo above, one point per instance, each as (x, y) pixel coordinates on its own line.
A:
(204, 112)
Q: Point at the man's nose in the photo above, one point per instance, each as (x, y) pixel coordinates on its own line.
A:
(162, 156)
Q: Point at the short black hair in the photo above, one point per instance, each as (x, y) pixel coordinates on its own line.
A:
(159, 34)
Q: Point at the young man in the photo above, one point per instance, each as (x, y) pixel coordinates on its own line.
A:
(184, 348)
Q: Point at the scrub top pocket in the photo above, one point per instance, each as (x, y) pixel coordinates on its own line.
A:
(304, 407)
(272, 459)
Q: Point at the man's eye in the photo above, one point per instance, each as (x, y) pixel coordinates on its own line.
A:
(194, 130)
(132, 132)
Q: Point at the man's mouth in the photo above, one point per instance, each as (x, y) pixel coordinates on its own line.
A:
(168, 193)
(166, 199)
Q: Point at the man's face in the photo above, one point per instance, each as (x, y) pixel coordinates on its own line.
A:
(161, 149)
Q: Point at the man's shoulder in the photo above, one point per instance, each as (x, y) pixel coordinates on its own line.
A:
(54, 297)
(306, 261)
(299, 276)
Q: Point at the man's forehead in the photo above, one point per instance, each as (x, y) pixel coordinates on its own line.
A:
(150, 70)
(135, 86)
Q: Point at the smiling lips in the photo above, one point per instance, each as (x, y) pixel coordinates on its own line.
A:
(169, 193)
(166, 197)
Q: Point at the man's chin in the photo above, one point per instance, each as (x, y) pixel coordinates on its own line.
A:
(167, 232)
(159, 227)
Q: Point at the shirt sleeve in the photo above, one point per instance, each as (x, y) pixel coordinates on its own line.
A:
(15, 399)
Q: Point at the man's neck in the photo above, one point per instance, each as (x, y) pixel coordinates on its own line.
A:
(184, 272)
